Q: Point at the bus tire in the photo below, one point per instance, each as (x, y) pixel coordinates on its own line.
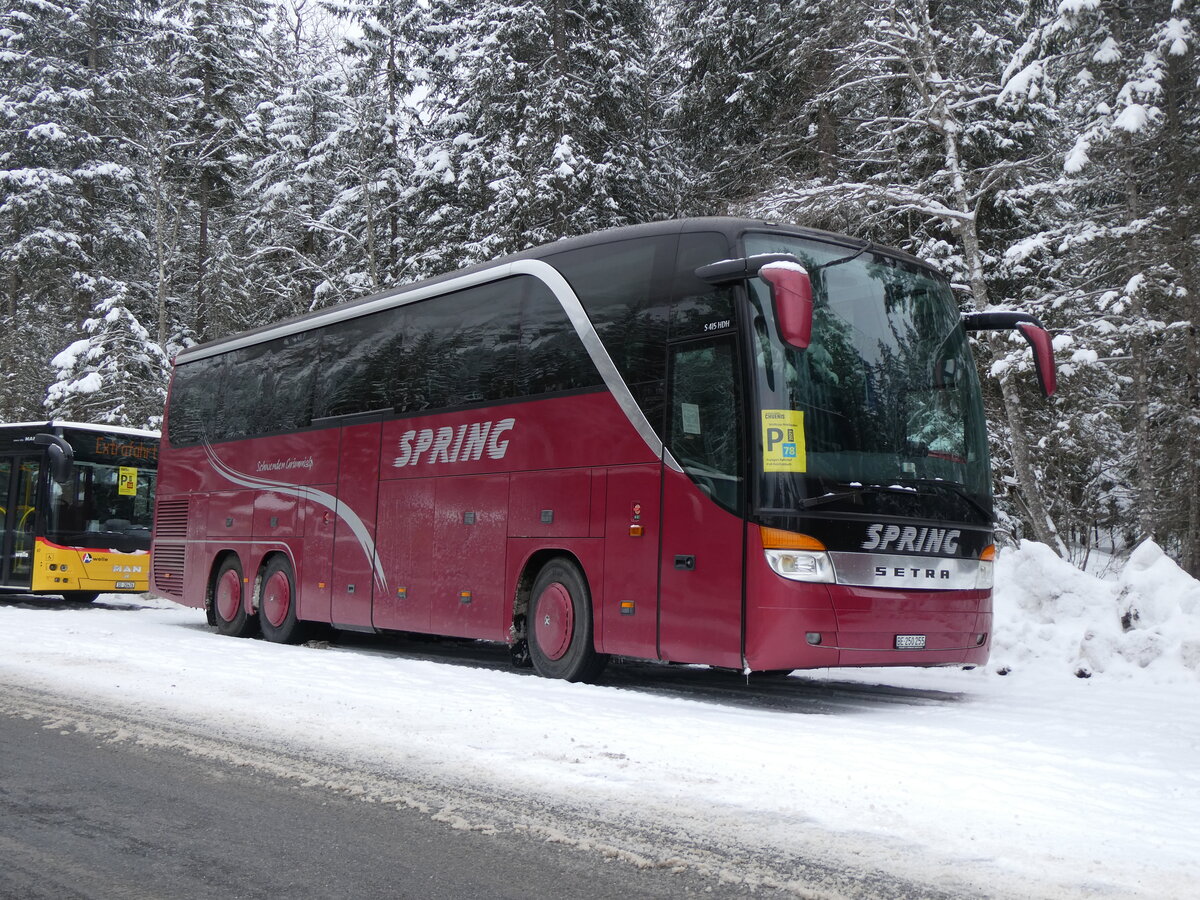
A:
(560, 624)
(80, 596)
(229, 601)
(277, 604)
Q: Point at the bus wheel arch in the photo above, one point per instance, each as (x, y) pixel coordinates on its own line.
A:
(559, 624)
(518, 632)
(276, 601)
(227, 597)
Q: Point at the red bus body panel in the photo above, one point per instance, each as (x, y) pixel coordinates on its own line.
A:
(354, 577)
(632, 524)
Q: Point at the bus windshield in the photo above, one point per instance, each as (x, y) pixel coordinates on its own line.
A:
(102, 506)
(883, 408)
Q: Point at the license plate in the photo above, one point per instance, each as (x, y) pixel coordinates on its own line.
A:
(910, 642)
(125, 585)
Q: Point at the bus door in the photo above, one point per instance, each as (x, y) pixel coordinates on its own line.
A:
(354, 534)
(18, 493)
(703, 531)
(6, 526)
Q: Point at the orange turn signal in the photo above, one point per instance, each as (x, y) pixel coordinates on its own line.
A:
(778, 539)
(988, 554)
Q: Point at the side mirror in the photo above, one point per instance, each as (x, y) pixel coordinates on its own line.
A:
(1032, 330)
(791, 292)
(791, 289)
(59, 455)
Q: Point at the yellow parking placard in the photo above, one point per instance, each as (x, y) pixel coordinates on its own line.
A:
(127, 477)
(783, 441)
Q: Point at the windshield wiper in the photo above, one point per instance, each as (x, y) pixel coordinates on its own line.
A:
(956, 489)
(901, 486)
(841, 260)
(855, 492)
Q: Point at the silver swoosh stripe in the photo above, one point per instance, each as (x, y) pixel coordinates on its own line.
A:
(616, 385)
(357, 527)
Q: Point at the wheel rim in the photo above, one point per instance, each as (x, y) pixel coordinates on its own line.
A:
(555, 621)
(229, 595)
(277, 598)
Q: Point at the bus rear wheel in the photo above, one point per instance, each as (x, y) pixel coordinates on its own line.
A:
(229, 601)
(277, 604)
(559, 627)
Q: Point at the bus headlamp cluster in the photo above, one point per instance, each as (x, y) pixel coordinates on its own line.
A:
(797, 557)
(801, 565)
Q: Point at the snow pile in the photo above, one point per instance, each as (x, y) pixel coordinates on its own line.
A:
(1050, 616)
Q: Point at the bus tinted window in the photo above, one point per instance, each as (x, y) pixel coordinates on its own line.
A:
(195, 395)
(700, 308)
(625, 287)
(358, 364)
(490, 343)
(554, 358)
(287, 382)
(241, 395)
(461, 348)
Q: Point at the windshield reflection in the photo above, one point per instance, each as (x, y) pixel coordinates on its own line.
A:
(892, 417)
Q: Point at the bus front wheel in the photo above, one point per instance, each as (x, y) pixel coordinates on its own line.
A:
(559, 626)
(277, 604)
(229, 601)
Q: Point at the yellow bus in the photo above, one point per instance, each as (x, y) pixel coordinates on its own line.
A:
(76, 504)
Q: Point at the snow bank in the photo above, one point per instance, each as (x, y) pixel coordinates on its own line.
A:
(1050, 616)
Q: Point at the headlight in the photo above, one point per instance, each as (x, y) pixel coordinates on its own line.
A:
(799, 557)
(801, 565)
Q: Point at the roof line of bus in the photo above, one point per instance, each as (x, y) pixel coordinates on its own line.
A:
(731, 227)
(82, 426)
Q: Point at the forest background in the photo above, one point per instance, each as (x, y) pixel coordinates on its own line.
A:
(176, 170)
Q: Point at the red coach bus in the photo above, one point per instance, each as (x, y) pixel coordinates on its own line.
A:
(714, 441)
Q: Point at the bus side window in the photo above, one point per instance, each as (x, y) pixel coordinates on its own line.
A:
(705, 432)
(552, 356)
(6, 519)
(288, 383)
(357, 365)
(625, 288)
(195, 399)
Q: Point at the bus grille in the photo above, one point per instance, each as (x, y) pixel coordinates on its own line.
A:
(171, 519)
(167, 562)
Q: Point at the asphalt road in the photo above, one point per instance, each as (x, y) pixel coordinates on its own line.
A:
(109, 800)
(83, 816)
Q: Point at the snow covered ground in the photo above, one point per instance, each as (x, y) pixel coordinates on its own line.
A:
(1068, 767)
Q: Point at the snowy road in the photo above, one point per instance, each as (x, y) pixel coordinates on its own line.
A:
(83, 818)
(960, 783)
